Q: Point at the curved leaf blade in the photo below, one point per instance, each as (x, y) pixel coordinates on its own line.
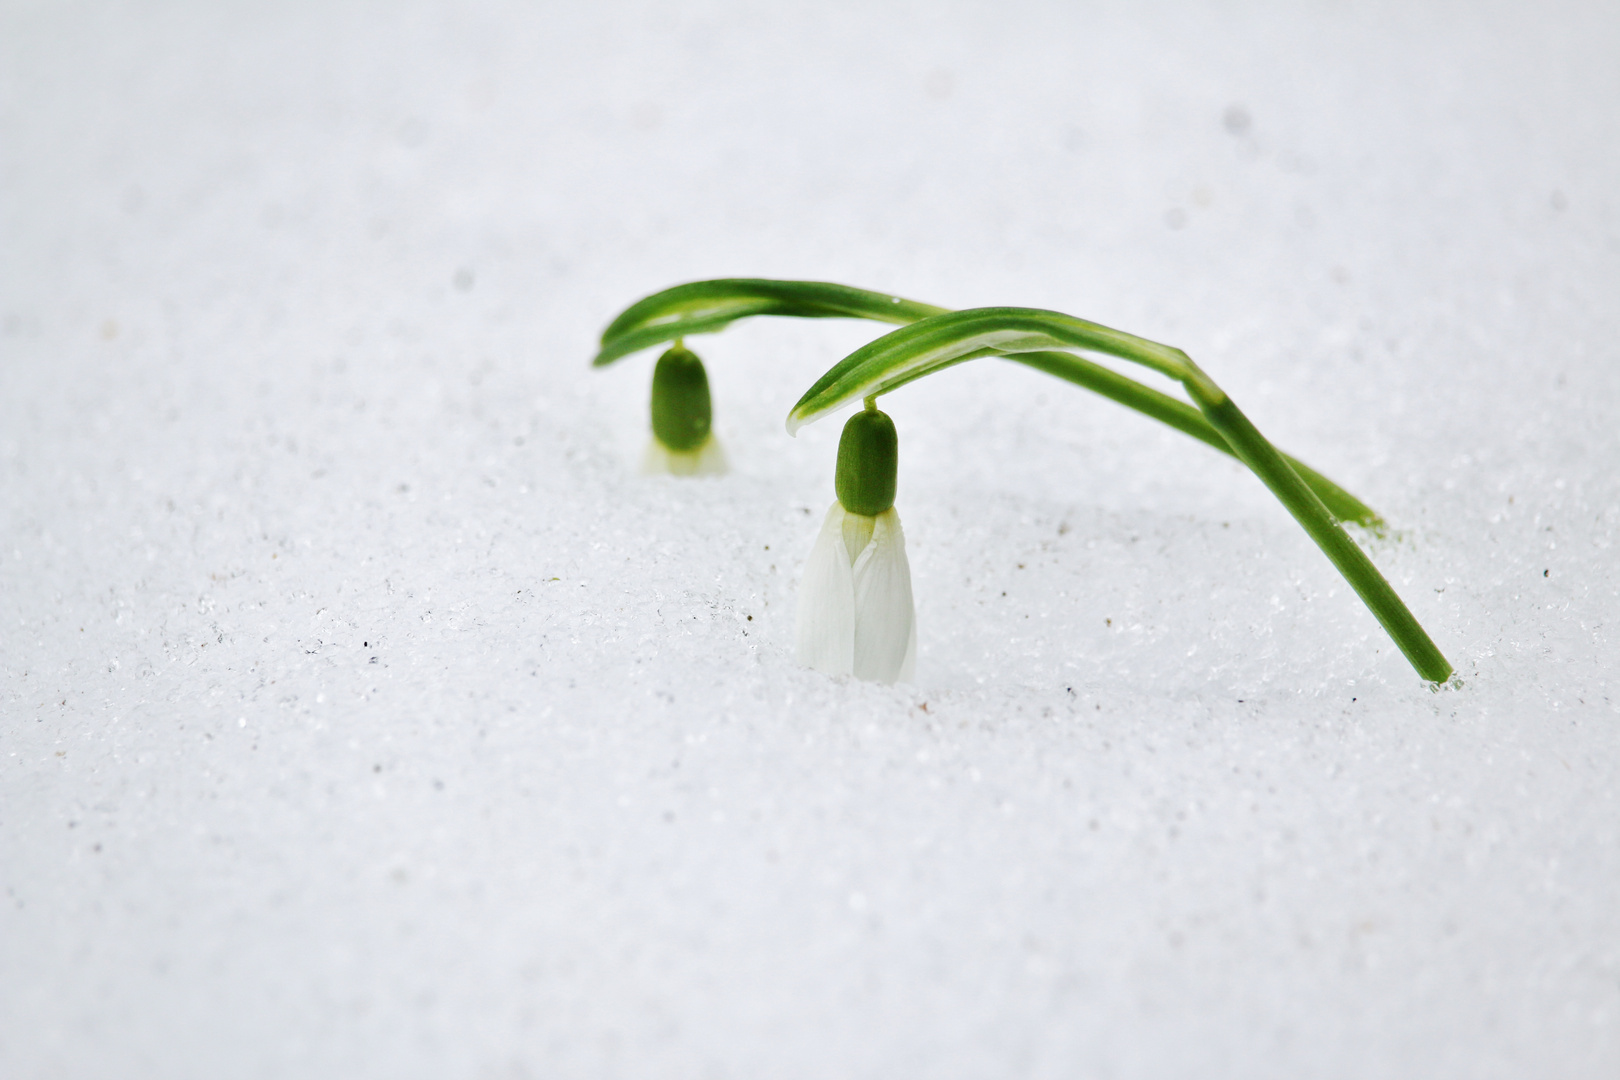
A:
(928, 345)
(708, 306)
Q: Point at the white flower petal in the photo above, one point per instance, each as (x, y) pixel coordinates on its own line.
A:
(908, 666)
(709, 459)
(712, 458)
(885, 645)
(825, 623)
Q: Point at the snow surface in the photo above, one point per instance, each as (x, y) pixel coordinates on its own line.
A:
(365, 714)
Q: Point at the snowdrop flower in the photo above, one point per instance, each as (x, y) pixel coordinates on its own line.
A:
(856, 615)
(682, 442)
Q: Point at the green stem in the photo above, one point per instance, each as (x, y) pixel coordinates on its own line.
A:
(1392, 614)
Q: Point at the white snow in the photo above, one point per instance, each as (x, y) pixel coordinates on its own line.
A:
(366, 714)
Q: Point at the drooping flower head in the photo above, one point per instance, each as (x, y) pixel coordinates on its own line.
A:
(682, 416)
(856, 615)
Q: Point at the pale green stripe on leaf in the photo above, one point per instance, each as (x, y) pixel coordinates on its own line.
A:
(708, 306)
(930, 344)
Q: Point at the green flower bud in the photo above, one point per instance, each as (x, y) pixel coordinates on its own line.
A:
(681, 412)
(868, 458)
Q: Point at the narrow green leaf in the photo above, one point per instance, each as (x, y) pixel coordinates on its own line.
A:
(707, 306)
(925, 346)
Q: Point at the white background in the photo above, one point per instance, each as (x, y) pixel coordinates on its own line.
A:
(365, 714)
